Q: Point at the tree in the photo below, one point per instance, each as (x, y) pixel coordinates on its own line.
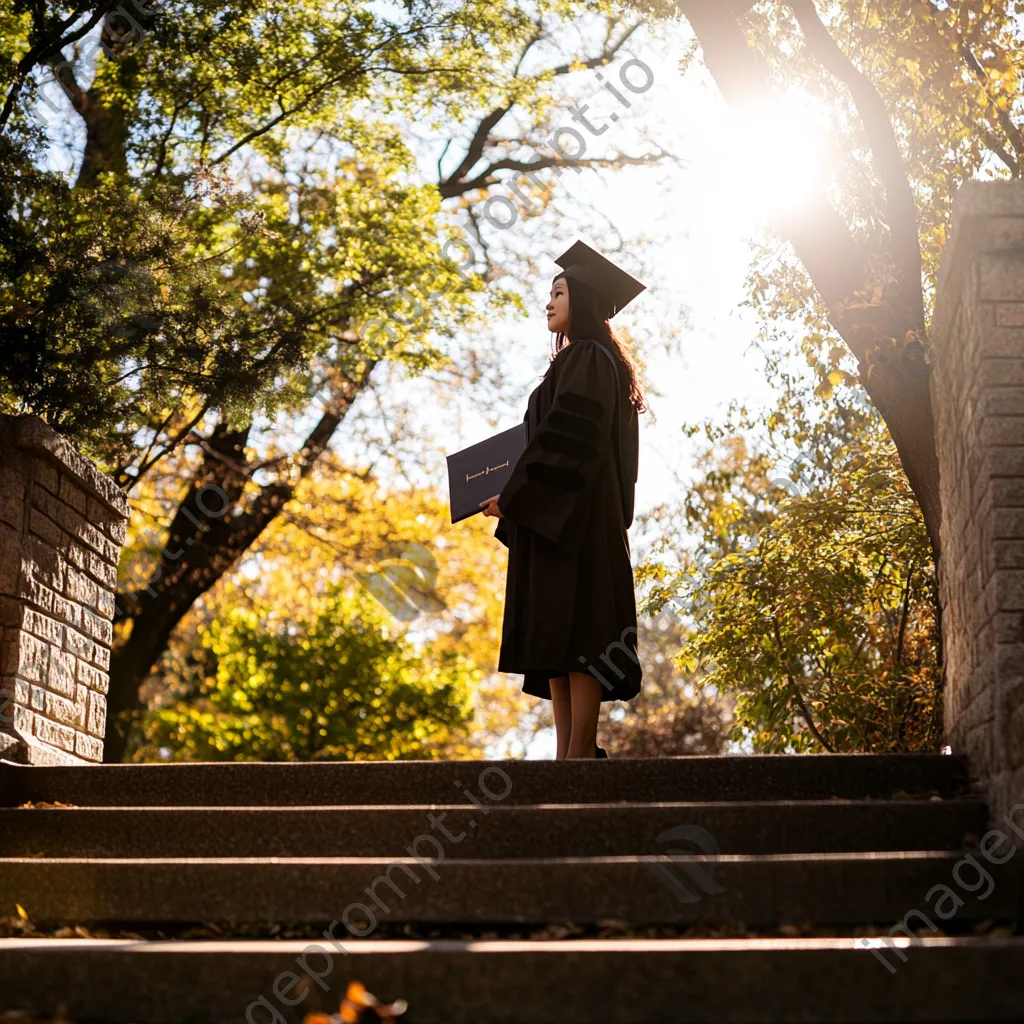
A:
(339, 683)
(249, 228)
(811, 594)
(926, 96)
(433, 590)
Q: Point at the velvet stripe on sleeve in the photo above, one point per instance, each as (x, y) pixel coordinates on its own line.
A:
(555, 475)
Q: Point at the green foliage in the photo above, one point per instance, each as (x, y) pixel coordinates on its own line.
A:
(811, 592)
(126, 311)
(342, 682)
(247, 214)
(948, 76)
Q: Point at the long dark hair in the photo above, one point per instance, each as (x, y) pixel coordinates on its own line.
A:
(585, 321)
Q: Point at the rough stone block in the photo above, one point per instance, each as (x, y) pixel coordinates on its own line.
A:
(89, 747)
(117, 531)
(42, 626)
(1008, 658)
(1008, 627)
(105, 605)
(115, 526)
(46, 475)
(55, 734)
(93, 678)
(25, 656)
(37, 594)
(87, 534)
(99, 629)
(71, 521)
(1008, 554)
(10, 560)
(102, 571)
(12, 510)
(1007, 523)
(78, 556)
(43, 563)
(1003, 430)
(1010, 314)
(63, 711)
(1006, 591)
(1003, 401)
(12, 691)
(41, 753)
(47, 530)
(992, 373)
(49, 504)
(96, 715)
(101, 657)
(1001, 343)
(79, 588)
(67, 611)
(72, 494)
(36, 697)
(76, 644)
(24, 720)
(1007, 492)
(60, 671)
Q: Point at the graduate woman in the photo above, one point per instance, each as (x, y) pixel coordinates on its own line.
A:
(570, 609)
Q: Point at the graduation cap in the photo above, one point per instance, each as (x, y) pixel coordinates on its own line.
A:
(614, 287)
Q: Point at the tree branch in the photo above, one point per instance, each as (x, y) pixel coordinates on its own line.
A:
(486, 178)
(455, 184)
(798, 696)
(899, 197)
(869, 318)
(904, 616)
(1013, 133)
(41, 51)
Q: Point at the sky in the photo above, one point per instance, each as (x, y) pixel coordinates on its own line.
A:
(698, 217)
(711, 207)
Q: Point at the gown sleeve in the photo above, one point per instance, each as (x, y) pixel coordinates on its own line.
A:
(555, 475)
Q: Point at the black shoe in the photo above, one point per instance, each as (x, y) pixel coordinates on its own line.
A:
(601, 752)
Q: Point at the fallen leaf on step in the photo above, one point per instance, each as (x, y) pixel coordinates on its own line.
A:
(359, 1006)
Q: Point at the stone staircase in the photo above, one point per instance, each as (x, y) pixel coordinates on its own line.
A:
(671, 889)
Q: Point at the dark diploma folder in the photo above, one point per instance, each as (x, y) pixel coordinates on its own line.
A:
(481, 470)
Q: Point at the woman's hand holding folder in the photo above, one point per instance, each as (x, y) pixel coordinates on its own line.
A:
(491, 508)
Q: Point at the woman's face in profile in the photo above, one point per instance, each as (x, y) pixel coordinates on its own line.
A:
(558, 307)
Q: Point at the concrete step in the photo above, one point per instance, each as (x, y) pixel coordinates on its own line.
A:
(528, 982)
(637, 780)
(569, 830)
(760, 891)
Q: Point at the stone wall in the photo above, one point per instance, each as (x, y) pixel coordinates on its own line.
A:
(978, 397)
(62, 525)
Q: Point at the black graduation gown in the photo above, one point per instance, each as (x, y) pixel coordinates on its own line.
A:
(569, 598)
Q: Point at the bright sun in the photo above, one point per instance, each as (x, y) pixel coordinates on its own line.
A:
(767, 163)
